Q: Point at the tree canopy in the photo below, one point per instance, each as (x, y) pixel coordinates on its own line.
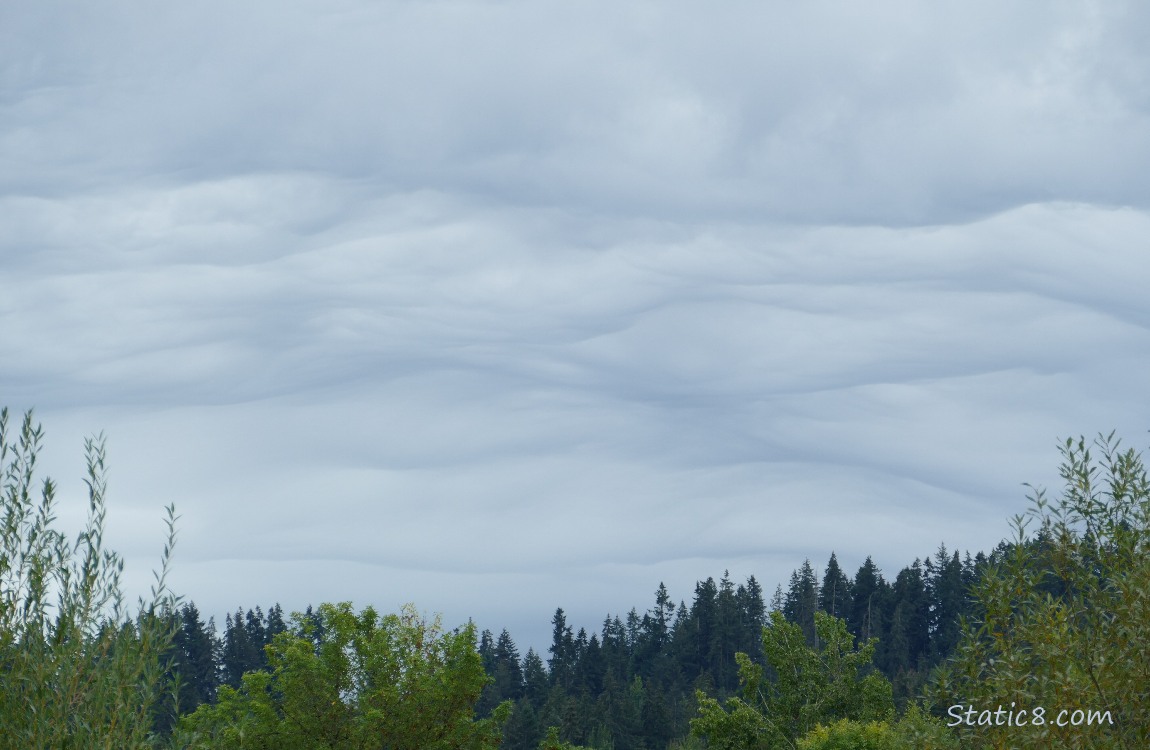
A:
(399, 681)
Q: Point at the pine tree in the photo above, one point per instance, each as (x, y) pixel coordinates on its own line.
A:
(522, 731)
(725, 636)
(703, 614)
(508, 671)
(802, 601)
(753, 611)
(198, 648)
(535, 679)
(947, 596)
(904, 653)
(614, 646)
(276, 623)
(835, 595)
(236, 652)
(865, 617)
(562, 650)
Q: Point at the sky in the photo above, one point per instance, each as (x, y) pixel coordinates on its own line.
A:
(502, 306)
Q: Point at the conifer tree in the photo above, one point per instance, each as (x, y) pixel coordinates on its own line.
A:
(865, 617)
(535, 679)
(562, 662)
(835, 594)
(802, 601)
(753, 611)
(947, 594)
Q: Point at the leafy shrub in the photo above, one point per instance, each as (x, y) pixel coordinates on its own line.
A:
(1066, 613)
(78, 671)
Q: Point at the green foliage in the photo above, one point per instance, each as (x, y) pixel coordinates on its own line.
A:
(1066, 612)
(552, 742)
(851, 735)
(916, 730)
(77, 671)
(812, 685)
(357, 682)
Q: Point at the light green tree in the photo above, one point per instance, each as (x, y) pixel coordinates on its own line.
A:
(76, 670)
(915, 730)
(359, 682)
(1065, 616)
(552, 742)
(811, 686)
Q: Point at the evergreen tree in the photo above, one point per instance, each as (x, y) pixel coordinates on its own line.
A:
(486, 650)
(725, 636)
(197, 652)
(276, 623)
(865, 617)
(592, 667)
(614, 646)
(835, 595)
(562, 650)
(703, 610)
(907, 643)
(508, 670)
(777, 599)
(753, 611)
(802, 601)
(522, 731)
(535, 679)
(245, 637)
(947, 595)
(651, 652)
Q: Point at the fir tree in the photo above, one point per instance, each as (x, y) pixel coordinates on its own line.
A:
(835, 595)
(802, 601)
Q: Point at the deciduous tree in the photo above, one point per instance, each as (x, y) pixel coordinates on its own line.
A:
(398, 681)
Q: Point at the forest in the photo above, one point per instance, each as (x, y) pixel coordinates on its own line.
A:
(1039, 642)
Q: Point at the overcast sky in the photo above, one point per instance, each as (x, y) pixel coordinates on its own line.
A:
(496, 307)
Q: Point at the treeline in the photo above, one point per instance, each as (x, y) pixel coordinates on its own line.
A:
(1053, 624)
(631, 683)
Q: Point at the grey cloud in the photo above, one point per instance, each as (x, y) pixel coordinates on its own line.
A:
(814, 114)
(481, 304)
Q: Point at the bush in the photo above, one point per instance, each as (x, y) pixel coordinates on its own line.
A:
(916, 730)
(77, 670)
(1066, 615)
(851, 735)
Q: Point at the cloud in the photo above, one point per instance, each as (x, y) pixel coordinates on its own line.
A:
(505, 306)
(887, 115)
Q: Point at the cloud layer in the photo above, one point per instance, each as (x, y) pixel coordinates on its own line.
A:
(503, 306)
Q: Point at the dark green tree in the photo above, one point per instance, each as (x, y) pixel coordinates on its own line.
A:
(802, 601)
(536, 682)
(239, 653)
(726, 634)
(753, 612)
(867, 596)
(947, 593)
(561, 665)
(835, 593)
